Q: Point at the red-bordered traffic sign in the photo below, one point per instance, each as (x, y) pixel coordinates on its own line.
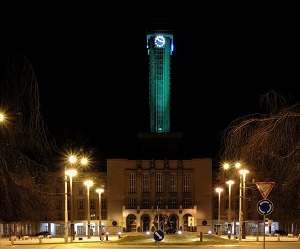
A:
(265, 188)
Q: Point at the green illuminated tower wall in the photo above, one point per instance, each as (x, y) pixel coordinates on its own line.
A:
(160, 47)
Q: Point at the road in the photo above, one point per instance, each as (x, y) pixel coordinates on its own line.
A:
(97, 245)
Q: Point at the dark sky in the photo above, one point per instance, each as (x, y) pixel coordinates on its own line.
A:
(91, 64)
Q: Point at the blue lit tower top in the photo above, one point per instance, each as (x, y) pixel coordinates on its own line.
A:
(160, 48)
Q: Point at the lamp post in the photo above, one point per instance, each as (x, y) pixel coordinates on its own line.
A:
(66, 208)
(71, 173)
(100, 191)
(229, 182)
(219, 190)
(88, 184)
(243, 173)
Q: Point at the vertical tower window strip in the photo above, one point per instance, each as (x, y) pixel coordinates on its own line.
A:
(132, 183)
(159, 182)
(186, 182)
(146, 182)
(173, 182)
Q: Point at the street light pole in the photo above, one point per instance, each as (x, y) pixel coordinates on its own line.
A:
(71, 173)
(243, 173)
(229, 182)
(100, 191)
(88, 185)
(66, 208)
(219, 190)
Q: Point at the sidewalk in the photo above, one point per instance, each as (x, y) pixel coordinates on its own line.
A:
(54, 240)
(267, 238)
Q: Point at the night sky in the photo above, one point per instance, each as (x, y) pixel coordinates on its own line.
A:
(91, 64)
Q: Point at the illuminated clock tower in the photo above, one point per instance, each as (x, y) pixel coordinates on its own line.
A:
(160, 47)
(160, 140)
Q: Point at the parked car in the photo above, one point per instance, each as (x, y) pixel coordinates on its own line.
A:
(280, 232)
(43, 233)
(171, 231)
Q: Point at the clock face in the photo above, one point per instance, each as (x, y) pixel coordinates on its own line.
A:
(159, 41)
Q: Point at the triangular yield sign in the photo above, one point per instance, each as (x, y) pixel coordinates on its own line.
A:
(265, 188)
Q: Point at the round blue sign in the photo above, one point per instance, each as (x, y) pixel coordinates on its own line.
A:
(158, 235)
(265, 206)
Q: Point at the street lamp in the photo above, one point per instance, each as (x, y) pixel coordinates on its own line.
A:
(2, 117)
(219, 190)
(88, 184)
(100, 191)
(66, 208)
(243, 173)
(229, 182)
(71, 173)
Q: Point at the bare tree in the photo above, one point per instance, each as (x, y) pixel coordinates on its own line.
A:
(269, 144)
(25, 144)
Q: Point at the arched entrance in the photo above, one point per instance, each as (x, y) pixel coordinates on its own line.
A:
(173, 221)
(145, 219)
(185, 222)
(131, 225)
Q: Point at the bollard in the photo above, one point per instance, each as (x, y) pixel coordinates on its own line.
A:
(229, 235)
(40, 240)
(119, 235)
(12, 239)
(106, 236)
(278, 237)
(201, 236)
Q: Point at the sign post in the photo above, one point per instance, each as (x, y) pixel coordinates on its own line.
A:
(158, 236)
(265, 206)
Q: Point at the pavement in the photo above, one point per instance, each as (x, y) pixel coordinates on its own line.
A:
(110, 238)
(56, 240)
(253, 238)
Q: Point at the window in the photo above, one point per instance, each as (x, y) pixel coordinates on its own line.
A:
(94, 217)
(159, 202)
(132, 183)
(103, 203)
(81, 204)
(59, 216)
(173, 202)
(146, 182)
(216, 202)
(57, 191)
(159, 182)
(80, 191)
(215, 216)
(92, 204)
(186, 182)
(81, 216)
(145, 202)
(186, 202)
(132, 203)
(173, 182)
(58, 204)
